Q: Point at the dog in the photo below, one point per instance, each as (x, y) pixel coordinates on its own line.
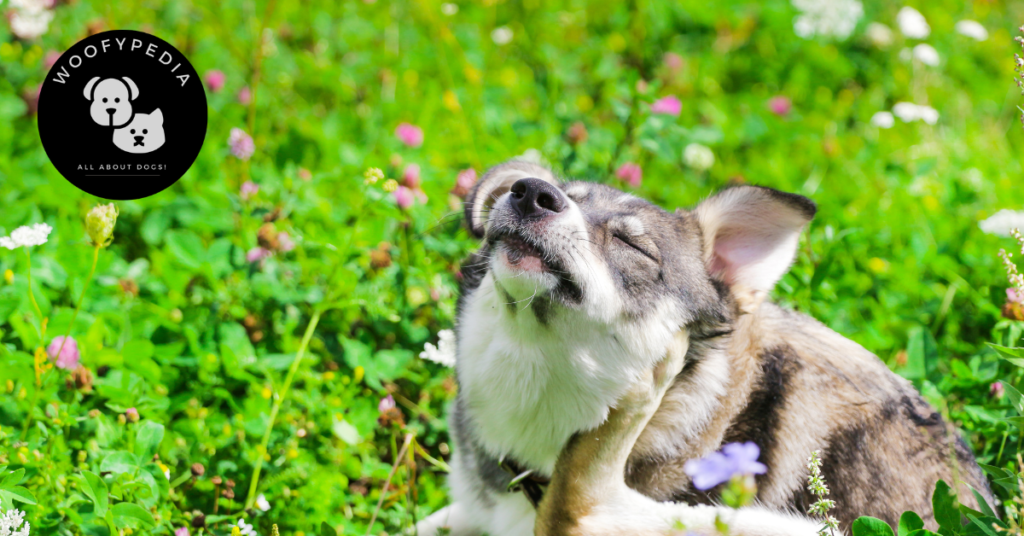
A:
(144, 134)
(579, 291)
(111, 100)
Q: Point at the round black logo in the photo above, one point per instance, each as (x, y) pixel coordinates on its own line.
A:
(122, 115)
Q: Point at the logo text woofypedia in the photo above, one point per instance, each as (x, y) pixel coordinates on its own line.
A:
(133, 44)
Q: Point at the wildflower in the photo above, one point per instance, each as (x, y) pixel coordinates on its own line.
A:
(386, 404)
(735, 459)
(262, 503)
(165, 470)
(464, 181)
(816, 485)
(780, 105)
(69, 356)
(9, 276)
(389, 412)
(248, 190)
(305, 174)
(99, 224)
(243, 528)
(31, 18)
(10, 522)
(926, 54)
(631, 173)
(673, 62)
(404, 197)
(27, 236)
(1003, 222)
(244, 96)
(698, 157)
(908, 112)
(878, 34)
(358, 373)
(972, 29)
(242, 146)
(181, 531)
(444, 352)
(132, 414)
(409, 134)
(577, 133)
(449, 9)
(502, 35)
(912, 23)
(390, 185)
(256, 254)
(372, 175)
(669, 105)
(827, 18)
(883, 119)
(284, 242)
(411, 176)
(1013, 296)
(81, 379)
(215, 80)
(996, 390)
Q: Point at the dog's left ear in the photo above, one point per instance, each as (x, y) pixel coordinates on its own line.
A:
(157, 116)
(88, 87)
(750, 238)
(496, 183)
(133, 90)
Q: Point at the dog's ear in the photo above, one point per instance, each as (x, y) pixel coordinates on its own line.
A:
(750, 238)
(133, 90)
(157, 116)
(88, 87)
(495, 183)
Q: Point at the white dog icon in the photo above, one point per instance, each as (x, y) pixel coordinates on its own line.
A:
(144, 134)
(111, 100)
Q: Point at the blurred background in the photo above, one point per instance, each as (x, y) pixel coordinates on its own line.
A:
(180, 397)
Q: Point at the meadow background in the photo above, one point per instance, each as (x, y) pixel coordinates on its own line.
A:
(275, 241)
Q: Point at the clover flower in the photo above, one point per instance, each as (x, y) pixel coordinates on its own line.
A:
(926, 54)
(669, 105)
(996, 390)
(631, 173)
(262, 503)
(26, 236)
(909, 112)
(248, 190)
(11, 523)
(972, 29)
(215, 80)
(257, 254)
(404, 197)
(912, 23)
(1003, 223)
(69, 356)
(502, 35)
(735, 459)
(31, 18)
(464, 182)
(698, 157)
(411, 176)
(883, 119)
(816, 485)
(827, 18)
(181, 531)
(242, 146)
(409, 134)
(673, 62)
(243, 528)
(99, 224)
(878, 34)
(780, 105)
(445, 351)
(132, 414)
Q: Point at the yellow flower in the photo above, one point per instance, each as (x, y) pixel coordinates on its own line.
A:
(372, 175)
(235, 531)
(877, 265)
(390, 185)
(328, 376)
(9, 276)
(266, 393)
(292, 454)
(359, 372)
(451, 101)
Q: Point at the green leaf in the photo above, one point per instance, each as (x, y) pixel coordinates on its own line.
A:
(983, 505)
(21, 494)
(870, 526)
(119, 462)
(909, 522)
(327, 530)
(346, 432)
(922, 354)
(132, 515)
(982, 526)
(12, 479)
(186, 247)
(148, 438)
(944, 505)
(1015, 397)
(96, 489)
(1007, 351)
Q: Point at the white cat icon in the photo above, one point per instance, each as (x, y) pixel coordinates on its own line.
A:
(144, 134)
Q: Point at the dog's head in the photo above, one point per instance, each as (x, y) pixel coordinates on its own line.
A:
(144, 134)
(581, 248)
(111, 100)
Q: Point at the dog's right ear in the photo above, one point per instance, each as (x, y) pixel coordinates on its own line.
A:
(496, 183)
(89, 86)
(133, 90)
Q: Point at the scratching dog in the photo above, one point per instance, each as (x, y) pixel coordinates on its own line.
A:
(575, 315)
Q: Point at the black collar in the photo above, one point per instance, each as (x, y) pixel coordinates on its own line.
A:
(525, 480)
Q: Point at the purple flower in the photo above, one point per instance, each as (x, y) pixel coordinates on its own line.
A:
(241, 144)
(69, 356)
(404, 197)
(284, 241)
(132, 414)
(410, 135)
(631, 173)
(256, 254)
(673, 61)
(248, 190)
(1013, 296)
(669, 105)
(464, 182)
(411, 176)
(718, 467)
(181, 531)
(780, 105)
(215, 80)
(386, 403)
(996, 390)
(245, 96)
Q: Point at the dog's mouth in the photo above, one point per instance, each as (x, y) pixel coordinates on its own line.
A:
(522, 254)
(138, 142)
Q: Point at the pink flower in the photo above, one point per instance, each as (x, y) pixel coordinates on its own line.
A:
(411, 176)
(248, 190)
(780, 105)
(404, 197)
(669, 105)
(132, 414)
(464, 182)
(245, 96)
(631, 173)
(410, 135)
(51, 58)
(386, 403)
(673, 61)
(256, 254)
(284, 242)
(996, 390)
(241, 144)
(215, 80)
(69, 356)
(1013, 296)
(181, 531)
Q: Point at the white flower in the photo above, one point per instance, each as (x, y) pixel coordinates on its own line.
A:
(882, 120)
(11, 521)
(698, 157)
(245, 529)
(879, 34)
(1002, 222)
(28, 24)
(262, 503)
(912, 23)
(972, 29)
(926, 54)
(449, 9)
(26, 236)
(827, 18)
(928, 114)
(502, 35)
(444, 352)
(908, 111)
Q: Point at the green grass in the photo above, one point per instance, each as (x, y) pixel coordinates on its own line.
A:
(178, 325)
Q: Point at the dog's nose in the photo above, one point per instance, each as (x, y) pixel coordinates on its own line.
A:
(111, 110)
(536, 198)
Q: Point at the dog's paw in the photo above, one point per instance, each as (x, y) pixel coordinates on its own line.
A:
(646, 392)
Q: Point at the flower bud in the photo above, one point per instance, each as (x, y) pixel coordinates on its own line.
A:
(99, 224)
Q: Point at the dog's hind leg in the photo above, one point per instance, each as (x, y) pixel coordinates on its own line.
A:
(450, 520)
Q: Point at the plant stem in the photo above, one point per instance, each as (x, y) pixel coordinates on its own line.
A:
(81, 298)
(278, 400)
(384, 492)
(32, 297)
